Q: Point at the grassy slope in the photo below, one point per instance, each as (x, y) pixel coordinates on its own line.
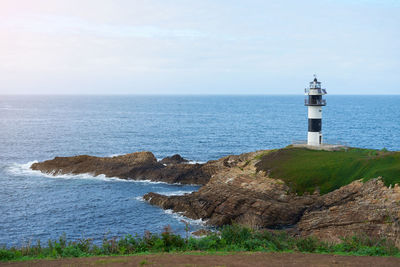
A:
(305, 170)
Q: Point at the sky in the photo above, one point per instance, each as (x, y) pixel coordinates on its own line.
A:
(199, 47)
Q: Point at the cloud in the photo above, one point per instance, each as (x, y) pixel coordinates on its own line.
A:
(179, 46)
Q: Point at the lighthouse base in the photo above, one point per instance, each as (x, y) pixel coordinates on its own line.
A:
(327, 147)
(314, 139)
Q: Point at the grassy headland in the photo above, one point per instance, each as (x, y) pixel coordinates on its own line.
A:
(305, 170)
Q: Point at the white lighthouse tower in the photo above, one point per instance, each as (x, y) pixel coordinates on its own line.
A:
(314, 102)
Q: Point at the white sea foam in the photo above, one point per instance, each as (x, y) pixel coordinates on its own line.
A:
(171, 193)
(189, 162)
(196, 162)
(115, 155)
(140, 198)
(179, 216)
(175, 193)
(25, 169)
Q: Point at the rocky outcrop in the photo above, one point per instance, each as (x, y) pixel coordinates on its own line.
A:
(134, 166)
(241, 194)
(175, 159)
(236, 190)
(368, 208)
(237, 193)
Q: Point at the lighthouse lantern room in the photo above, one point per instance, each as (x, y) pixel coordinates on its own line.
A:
(314, 102)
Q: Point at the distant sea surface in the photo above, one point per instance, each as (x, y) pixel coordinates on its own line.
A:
(34, 206)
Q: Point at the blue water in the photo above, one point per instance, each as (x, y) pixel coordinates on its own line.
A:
(34, 128)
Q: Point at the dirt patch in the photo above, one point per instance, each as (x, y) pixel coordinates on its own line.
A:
(237, 259)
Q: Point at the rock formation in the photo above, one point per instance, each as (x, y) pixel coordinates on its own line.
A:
(239, 193)
(236, 190)
(175, 159)
(134, 166)
(236, 193)
(368, 208)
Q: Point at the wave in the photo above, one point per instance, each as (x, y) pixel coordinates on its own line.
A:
(24, 169)
(115, 155)
(140, 198)
(179, 216)
(175, 193)
(189, 162)
(170, 193)
(196, 162)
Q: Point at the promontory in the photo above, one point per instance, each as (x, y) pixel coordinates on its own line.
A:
(326, 194)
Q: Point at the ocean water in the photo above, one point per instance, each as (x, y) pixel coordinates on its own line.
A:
(34, 128)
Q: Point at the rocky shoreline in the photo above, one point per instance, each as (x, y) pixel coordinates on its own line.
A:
(235, 190)
(134, 166)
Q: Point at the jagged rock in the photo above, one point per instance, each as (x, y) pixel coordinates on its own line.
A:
(175, 159)
(135, 166)
(359, 208)
(238, 194)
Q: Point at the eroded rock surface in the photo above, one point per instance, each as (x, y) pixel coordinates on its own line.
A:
(368, 208)
(237, 193)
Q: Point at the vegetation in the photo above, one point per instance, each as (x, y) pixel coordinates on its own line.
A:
(231, 238)
(306, 170)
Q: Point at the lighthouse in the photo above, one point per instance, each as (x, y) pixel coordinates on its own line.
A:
(315, 103)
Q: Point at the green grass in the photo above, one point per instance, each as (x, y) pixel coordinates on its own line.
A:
(305, 170)
(232, 238)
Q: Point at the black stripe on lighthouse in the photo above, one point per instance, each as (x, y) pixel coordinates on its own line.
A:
(314, 125)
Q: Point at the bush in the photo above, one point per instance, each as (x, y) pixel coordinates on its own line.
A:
(72, 251)
(254, 245)
(211, 243)
(171, 241)
(308, 244)
(6, 255)
(235, 234)
(278, 241)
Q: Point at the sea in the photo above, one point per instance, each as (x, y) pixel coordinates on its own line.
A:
(36, 206)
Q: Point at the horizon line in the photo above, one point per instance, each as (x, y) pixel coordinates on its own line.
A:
(161, 94)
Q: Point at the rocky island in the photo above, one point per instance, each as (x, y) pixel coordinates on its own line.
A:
(326, 194)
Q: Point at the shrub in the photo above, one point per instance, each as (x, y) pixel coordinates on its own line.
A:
(254, 245)
(72, 251)
(235, 234)
(6, 255)
(308, 244)
(171, 241)
(278, 241)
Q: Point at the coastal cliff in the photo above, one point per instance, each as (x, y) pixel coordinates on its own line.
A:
(309, 193)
